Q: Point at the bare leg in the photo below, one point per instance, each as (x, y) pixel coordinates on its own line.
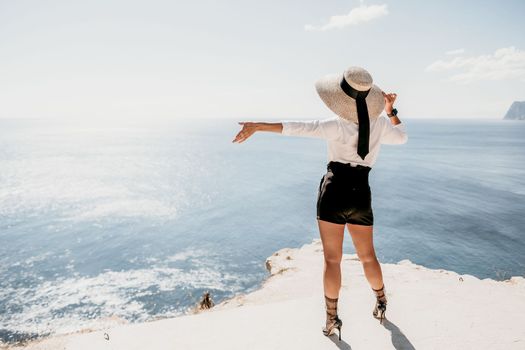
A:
(332, 238)
(362, 237)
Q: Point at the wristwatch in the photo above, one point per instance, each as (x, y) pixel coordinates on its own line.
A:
(394, 113)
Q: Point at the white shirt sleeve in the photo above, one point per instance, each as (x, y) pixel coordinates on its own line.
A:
(393, 134)
(328, 128)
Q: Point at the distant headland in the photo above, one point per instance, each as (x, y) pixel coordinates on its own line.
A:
(516, 111)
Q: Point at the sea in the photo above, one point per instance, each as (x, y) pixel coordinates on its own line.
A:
(130, 221)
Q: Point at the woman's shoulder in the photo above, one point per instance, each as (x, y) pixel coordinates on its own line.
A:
(337, 120)
(332, 119)
(330, 123)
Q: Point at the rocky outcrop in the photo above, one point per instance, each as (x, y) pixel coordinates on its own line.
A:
(516, 111)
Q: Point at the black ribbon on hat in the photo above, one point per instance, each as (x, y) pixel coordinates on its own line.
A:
(362, 116)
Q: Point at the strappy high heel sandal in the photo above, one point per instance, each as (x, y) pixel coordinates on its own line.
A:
(380, 307)
(332, 320)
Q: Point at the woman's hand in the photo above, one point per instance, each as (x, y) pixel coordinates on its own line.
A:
(248, 129)
(389, 101)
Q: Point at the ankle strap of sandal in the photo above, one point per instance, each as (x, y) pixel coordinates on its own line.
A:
(331, 305)
(380, 293)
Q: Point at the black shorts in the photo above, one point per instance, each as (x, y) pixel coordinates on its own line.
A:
(344, 195)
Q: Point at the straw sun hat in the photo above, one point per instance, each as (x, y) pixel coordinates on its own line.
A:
(330, 89)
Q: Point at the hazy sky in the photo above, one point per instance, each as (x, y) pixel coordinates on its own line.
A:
(253, 60)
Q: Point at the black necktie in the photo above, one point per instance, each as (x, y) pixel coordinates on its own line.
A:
(362, 116)
(364, 127)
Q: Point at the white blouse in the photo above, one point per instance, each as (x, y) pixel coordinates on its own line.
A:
(341, 136)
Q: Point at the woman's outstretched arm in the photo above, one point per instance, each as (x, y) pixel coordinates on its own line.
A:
(249, 128)
(327, 128)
